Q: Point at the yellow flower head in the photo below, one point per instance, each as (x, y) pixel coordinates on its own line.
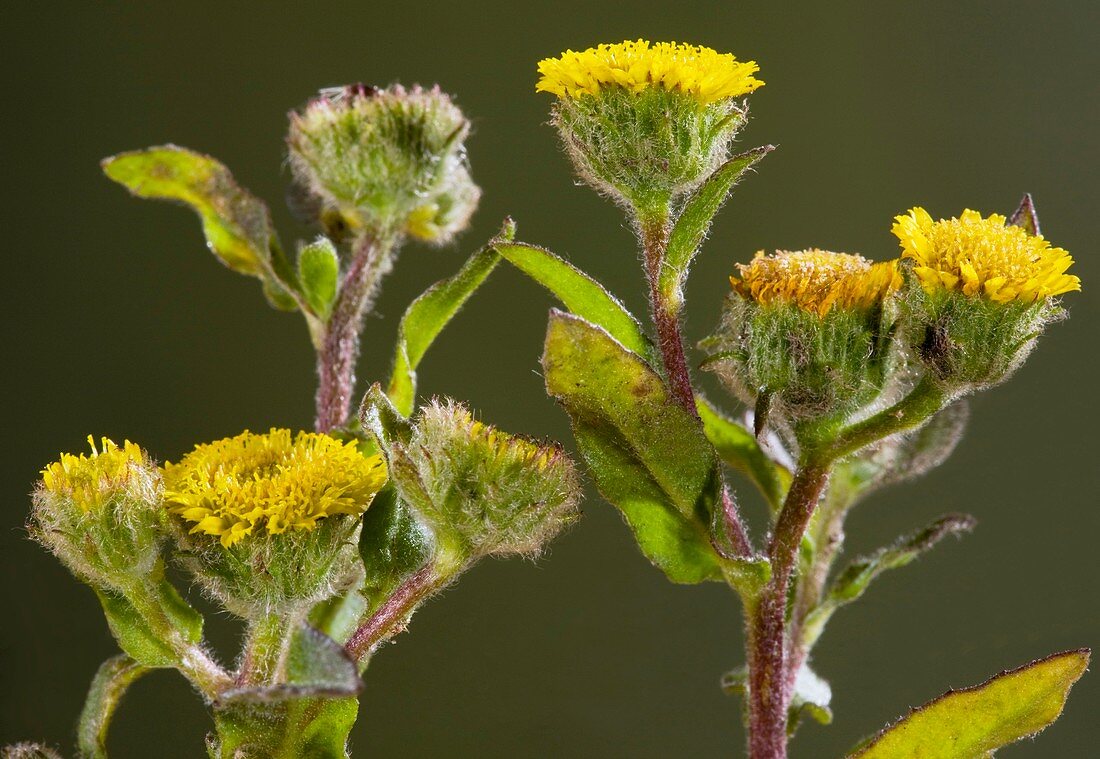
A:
(701, 72)
(984, 257)
(234, 486)
(90, 479)
(816, 280)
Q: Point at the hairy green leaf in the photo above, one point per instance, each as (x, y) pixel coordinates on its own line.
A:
(317, 728)
(237, 224)
(317, 667)
(695, 219)
(579, 293)
(426, 317)
(974, 722)
(142, 636)
(108, 687)
(648, 456)
(738, 447)
(318, 273)
(394, 545)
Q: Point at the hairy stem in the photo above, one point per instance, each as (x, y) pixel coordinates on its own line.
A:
(391, 616)
(267, 648)
(769, 691)
(338, 350)
(654, 232)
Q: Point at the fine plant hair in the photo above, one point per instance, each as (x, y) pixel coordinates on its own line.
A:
(845, 376)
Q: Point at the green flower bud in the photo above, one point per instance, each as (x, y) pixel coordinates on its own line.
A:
(101, 514)
(269, 524)
(388, 160)
(804, 336)
(980, 292)
(483, 492)
(646, 123)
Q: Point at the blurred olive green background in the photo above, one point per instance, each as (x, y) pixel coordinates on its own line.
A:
(118, 322)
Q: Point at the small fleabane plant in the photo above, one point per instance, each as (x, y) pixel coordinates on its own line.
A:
(322, 543)
(852, 375)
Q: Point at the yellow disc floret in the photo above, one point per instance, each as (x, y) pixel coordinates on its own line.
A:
(983, 257)
(816, 280)
(701, 72)
(89, 479)
(273, 482)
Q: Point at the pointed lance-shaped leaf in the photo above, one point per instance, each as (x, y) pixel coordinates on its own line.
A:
(426, 317)
(974, 722)
(579, 293)
(695, 219)
(648, 456)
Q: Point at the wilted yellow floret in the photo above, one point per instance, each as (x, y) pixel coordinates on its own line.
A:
(816, 280)
(234, 486)
(88, 479)
(707, 75)
(983, 257)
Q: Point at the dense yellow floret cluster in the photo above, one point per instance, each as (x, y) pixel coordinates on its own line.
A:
(273, 482)
(701, 72)
(89, 479)
(986, 257)
(816, 280)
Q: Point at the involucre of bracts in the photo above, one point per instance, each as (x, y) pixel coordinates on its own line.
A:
(391, 161)
(482, 490)
(101, 513)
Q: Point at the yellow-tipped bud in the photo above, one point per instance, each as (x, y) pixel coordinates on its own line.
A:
(816, 280)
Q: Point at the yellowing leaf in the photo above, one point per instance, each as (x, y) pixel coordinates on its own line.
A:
(974, 722)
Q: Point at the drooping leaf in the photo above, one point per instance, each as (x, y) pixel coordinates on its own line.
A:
(108, 687)
(1026, 216)
(853, 580)
(318, 273)
(426, 317)
(974, 722)
(739, 448)
(695, 219)
(648, 456)
(237, 224)
(144, 639)
(579, 293)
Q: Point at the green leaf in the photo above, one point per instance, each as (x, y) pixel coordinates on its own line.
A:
(648, 456)
(143, 636)
(1026, 216)
(579, 293)
(738, 447)
(904, 457)
(854, 580)
(108, 687)
(316, 728)
(426, 317)
(695, 219)
(394, 545)
(317, 667)
(318, 272)
(237, 224)
(975, 722)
